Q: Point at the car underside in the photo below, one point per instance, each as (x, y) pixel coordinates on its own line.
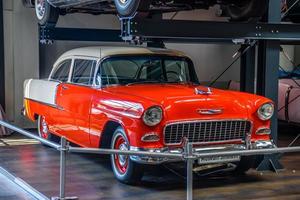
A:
(48, 10)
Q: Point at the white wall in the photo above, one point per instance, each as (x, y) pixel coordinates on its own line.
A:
(21, 50)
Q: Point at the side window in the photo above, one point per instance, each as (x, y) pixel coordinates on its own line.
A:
(83, 71)
(62, 71)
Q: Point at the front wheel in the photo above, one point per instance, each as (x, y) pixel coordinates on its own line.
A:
(46, 14)
(125, 170)
(128, 8)
(247, 9)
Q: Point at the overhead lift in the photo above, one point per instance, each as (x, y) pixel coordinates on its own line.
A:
(261, 40)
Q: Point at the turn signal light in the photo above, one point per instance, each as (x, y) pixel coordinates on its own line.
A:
(150, 137)
(263, 131)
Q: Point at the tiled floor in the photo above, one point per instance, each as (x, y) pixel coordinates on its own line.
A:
(89, 177)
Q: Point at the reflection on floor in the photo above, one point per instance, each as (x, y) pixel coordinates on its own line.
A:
(89, 177)
(15, 140)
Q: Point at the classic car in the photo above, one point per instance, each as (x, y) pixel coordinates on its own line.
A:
(48, 11)
(144, 99)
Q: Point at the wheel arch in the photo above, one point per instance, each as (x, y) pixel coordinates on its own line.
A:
(107, 133)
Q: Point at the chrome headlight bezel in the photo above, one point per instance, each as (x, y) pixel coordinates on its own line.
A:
(266, 111)
(153, 116)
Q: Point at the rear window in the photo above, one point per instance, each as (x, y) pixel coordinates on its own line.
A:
(61, 72)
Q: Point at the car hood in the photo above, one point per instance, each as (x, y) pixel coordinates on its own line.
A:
(189, 101)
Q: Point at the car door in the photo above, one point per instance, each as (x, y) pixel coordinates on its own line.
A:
(58, 118)
(77, 96)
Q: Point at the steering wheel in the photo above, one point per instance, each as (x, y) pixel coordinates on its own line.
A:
(175, 76)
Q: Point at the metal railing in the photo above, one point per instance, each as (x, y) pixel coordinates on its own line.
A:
(188, 155)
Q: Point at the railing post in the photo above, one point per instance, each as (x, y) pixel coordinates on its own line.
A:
(64, 147)
(62, 175)
(190, 161)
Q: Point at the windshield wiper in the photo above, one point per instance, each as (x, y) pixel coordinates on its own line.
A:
(143, 82)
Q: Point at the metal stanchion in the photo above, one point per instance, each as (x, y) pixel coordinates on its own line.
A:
(62, 175)
(190, 161)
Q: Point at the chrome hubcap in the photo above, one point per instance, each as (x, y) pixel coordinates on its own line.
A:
(123, 1)
(123, 158)
(40, 8)
(44, 127)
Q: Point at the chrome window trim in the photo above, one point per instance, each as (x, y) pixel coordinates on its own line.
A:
(247, 139)
(72, 69)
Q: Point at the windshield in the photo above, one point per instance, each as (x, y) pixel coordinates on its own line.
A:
(127, 70)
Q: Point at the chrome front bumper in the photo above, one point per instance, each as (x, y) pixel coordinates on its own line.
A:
(155, 161)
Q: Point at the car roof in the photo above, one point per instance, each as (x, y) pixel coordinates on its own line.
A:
(105, 51)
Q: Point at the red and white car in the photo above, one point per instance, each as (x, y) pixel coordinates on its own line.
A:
(144, 99)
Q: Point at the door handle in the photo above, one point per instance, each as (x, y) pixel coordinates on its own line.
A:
(64, 87)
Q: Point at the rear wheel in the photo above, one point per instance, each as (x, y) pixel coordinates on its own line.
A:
(247, 9)
(128, 8)
(43, 130)
(46, 14)
(124, 169)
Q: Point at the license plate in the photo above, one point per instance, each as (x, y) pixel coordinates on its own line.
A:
(219, 159)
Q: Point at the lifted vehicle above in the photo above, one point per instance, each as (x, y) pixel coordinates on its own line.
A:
(48, 11)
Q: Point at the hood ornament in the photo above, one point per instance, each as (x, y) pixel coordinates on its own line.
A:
(203, 90)
(210, 111)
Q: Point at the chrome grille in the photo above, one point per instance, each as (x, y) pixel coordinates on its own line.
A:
(206, 131)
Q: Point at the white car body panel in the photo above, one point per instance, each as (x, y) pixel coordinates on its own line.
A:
(43, 91)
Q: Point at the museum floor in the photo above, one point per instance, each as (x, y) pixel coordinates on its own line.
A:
(89, 176)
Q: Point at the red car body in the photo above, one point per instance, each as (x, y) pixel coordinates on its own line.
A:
(83, 114)
(87, 116)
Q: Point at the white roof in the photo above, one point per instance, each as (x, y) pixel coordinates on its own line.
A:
(104, 51)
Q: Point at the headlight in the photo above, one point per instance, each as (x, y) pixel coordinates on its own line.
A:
(266, 111)
(152, 116)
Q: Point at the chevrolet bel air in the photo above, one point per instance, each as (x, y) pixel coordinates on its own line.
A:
(144, 99)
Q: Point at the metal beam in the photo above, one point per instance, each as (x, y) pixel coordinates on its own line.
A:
(268, 63)
(206, 31)
(247, 72)
(267, 77)
(48, 34)
(2, 71)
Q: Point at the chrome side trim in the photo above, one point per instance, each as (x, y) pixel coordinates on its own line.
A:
(46, 104)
